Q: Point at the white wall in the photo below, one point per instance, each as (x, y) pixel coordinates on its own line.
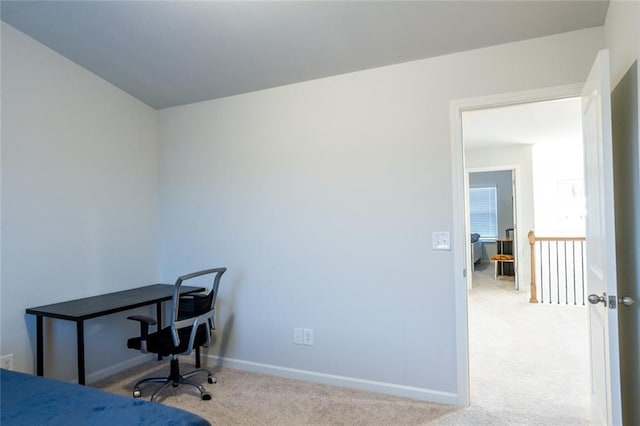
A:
(321, 198)
(622, 37)
(79, 202)
(557, 166)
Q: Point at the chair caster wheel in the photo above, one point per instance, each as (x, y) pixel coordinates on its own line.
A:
(206, 396)
(211, 380)
(137, 393)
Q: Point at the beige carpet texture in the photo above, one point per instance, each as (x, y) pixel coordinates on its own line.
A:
(245, 398)
(529, 366)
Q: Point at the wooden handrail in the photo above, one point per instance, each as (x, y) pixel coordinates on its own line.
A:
(532, 241)
(534, 290)
(555, 238)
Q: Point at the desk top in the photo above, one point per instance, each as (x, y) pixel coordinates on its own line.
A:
(105, 304)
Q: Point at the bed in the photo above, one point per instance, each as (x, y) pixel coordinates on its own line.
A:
(33, 400)
(476, 248)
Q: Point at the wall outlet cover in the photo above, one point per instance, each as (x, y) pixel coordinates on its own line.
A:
(6, 362)
(308, 336)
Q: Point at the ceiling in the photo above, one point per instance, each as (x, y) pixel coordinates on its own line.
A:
(169, 53)
(558, 121)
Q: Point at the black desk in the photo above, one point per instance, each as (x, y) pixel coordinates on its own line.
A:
(91, 307)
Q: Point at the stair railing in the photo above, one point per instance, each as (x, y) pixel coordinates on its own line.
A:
(561, 261)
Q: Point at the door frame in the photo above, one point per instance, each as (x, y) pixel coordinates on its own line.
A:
(515, 185)
(461, 250)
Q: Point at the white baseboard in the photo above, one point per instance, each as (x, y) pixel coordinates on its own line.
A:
(331, 379)
(121, 366)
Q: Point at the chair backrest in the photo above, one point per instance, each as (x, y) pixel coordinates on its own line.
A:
(203, 312)
(509, 232)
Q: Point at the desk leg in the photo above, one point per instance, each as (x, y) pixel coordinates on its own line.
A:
(159, 320)
(80, 331)
(39, 346)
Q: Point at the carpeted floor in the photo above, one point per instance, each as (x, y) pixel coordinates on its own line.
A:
(529, 363)
(528, 367)
(244, 398)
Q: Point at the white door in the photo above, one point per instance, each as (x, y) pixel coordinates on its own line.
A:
(601, 256)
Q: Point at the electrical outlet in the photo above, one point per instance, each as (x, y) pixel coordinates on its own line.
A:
(297, 336)
(6, 362)
(307, 337)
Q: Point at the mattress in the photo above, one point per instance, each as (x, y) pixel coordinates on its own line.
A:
(33, 400)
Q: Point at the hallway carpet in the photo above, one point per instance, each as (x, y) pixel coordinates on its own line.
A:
(529, 362)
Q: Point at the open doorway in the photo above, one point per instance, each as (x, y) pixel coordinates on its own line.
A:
(525, 356)
(492, 220)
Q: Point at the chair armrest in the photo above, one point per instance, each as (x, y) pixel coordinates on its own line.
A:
(145, 322)
(195, 323)
(143, 319)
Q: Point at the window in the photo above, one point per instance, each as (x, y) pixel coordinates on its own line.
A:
(484, 212)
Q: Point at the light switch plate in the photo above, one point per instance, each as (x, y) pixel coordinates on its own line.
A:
(441, 241)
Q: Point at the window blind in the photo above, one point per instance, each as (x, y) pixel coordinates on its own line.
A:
(484, 212)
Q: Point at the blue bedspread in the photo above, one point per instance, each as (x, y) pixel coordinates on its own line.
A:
(33, 400)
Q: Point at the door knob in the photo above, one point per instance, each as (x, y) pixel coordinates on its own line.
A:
(626, 300)
(594, 299)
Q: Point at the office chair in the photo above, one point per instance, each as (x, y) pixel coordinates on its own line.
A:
(196, 304)
(192, 323)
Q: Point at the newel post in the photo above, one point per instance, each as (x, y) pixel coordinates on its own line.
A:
(534, 290)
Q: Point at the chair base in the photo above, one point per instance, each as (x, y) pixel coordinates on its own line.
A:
(176, 379)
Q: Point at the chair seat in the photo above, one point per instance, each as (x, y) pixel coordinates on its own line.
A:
(502, 257)
(161, 341)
